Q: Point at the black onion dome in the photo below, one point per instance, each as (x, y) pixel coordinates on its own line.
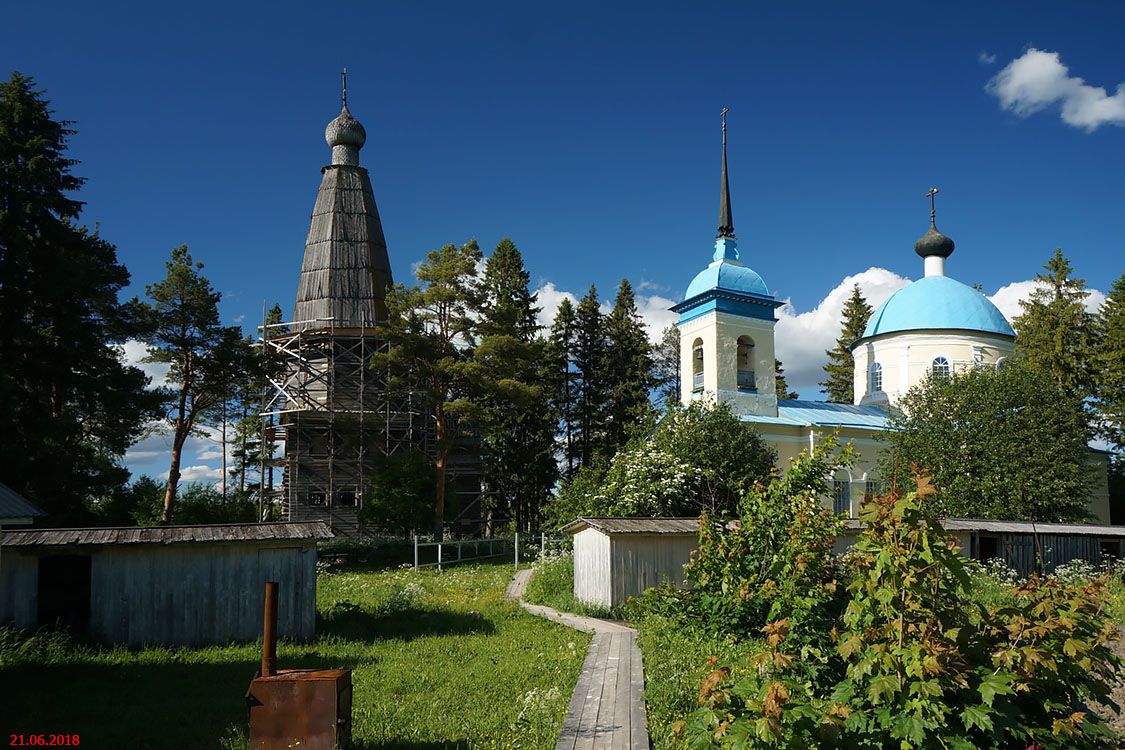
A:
(934, 243)
(345, 130)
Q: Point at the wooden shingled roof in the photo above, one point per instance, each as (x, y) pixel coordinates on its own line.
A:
(346, 271)
(620, 526)
(210, 533)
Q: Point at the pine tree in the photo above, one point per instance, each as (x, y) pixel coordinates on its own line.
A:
(69, 407)
(203, 355)
(666, 367)
(629, 370)
(430, 329)
(1054, 332)
(563, 383)
(838, 386)
(780, 386)
(1109, 364)
(591, 392)
(517, 430)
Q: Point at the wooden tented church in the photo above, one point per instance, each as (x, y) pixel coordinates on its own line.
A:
(330, 422)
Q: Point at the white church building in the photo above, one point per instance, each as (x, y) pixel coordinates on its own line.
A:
(934, 325)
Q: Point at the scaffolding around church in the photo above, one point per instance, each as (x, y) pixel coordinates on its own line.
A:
(328, 422)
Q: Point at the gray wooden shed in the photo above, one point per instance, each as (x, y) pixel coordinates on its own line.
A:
(615, 558)
(1021, 544)
(166, 585)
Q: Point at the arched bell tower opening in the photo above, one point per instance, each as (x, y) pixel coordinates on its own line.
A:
(745, 362)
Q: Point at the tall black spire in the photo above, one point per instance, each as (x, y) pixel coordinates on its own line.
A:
(726, 222)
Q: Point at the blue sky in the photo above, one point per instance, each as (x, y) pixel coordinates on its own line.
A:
(589, 133)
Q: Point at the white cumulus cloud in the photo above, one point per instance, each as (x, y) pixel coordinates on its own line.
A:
(802, 338)
(133, 352)
(1038, 79)
(1007, 298)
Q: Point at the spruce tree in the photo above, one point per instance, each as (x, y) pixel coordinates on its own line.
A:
(563, 383)
(629, 372)
(780, 386)
(517, 429)
(840, 368)
(666, 367)
(1109, 365)
(1054, 332)
(69, 407)
(591, 391)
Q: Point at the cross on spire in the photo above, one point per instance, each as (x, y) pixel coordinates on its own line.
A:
(726, 221)
(933, 211)
(344, 86)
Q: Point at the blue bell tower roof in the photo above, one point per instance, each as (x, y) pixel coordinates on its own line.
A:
(727, 276)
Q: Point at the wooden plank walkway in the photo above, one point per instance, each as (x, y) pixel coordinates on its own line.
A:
(607, 710)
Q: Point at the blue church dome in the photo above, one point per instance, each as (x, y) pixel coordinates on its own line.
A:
(936, 302)
(727, 276)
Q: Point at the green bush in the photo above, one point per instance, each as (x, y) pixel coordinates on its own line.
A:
(776, 561)
(924, 665)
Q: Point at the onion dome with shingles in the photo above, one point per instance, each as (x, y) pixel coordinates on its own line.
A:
(345, 272)
(345, 130)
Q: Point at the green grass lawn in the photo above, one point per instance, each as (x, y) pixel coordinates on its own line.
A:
(439, 660)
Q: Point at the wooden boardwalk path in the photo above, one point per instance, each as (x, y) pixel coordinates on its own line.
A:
(607, 710)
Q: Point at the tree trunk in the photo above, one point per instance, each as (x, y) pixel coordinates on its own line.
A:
(179, 436)
(223, 448)
(173, 474)
(439, 465)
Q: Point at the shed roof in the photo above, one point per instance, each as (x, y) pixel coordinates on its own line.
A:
(14, 507)
(232, 532)
(621, 526)
(1019, 527)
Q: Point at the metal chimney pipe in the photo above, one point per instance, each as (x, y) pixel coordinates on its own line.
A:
(269, 631)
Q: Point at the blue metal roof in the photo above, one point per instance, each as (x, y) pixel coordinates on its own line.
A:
(937, 302)
(725, 275)
(15, 506)
(802, 413)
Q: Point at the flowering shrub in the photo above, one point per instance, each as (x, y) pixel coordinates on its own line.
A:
(644, 481)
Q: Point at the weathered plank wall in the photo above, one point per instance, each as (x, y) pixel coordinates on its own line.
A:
(18, 579)
(591, 568)
(643, 562)
(181, 594)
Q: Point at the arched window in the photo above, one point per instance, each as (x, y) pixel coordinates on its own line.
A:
(940, 368)
(876, 377)
(745, 362)
(841, 496)
(697, 366)
(1000, 363)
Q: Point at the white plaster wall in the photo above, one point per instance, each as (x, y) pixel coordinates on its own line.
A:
(907, 358)
(719, 333)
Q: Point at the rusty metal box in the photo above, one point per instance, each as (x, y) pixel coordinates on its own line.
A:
(310, 709)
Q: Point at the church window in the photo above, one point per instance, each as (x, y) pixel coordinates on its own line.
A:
(876, 377)
(940, 368)
(872, 488)
(697, 365)
(841, 497)
(1000, 363)
(745, 361)
(978, 355)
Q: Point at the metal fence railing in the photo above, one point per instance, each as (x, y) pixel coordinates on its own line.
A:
(522, 548)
